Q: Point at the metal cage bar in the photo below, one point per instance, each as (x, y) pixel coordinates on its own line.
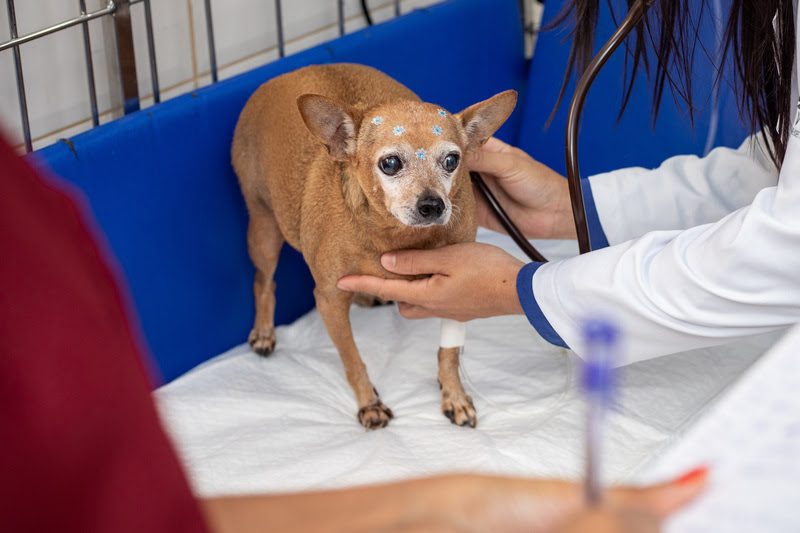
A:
(23, 102)
(340, 12)
(16, 41)
(279, 27)
(212, 51)
(87, 48)
(126, 56)
(120, 12)
(151, 49)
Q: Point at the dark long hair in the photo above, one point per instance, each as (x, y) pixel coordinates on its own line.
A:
(761, 56)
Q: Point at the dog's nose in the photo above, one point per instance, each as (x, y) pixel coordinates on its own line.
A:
(430, 207)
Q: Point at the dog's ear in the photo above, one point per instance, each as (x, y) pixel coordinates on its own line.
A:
(481, 120)
(334, 123)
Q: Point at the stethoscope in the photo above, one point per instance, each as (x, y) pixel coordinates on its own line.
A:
(635, 15)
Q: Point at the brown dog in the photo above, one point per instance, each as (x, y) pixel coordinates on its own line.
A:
(344, 163)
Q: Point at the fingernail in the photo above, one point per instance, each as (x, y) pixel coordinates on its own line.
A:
(692, 476)
(388, 260)
(342, 285)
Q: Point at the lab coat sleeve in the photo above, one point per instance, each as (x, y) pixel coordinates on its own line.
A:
(685, 191)
(671, 291)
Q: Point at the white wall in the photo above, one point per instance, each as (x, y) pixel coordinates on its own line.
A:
(245, 36)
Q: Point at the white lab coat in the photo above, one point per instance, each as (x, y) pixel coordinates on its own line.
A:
(703, 251)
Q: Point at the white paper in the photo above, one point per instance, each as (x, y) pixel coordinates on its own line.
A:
(750, 440)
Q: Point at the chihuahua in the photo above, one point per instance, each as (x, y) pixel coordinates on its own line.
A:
(344, 163)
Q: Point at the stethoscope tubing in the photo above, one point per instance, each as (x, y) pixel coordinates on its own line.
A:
(635, 15)
(505, 220)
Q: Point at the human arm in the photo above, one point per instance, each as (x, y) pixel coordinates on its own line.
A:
(444, 504)
(684, 191)
(671, 290)
(622, 521)
(463, 281)
(678, 290)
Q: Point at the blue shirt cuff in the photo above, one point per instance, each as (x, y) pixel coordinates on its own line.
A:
(531, 307)
(597, 236)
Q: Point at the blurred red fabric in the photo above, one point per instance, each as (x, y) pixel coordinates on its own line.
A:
(81, 446)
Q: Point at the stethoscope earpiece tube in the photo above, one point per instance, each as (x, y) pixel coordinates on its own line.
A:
(635, 15)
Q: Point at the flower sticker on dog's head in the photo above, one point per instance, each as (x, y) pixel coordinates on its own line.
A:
(436, 129)
(399, 130)
(377, 120)
(442, 112)
(421, 153)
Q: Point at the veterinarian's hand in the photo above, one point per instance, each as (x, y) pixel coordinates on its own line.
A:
(537, 506)
(612, 521)
(534, 196)
(465, 281)
(460, 503)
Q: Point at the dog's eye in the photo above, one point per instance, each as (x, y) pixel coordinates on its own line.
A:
(390, 165)
(450, 162)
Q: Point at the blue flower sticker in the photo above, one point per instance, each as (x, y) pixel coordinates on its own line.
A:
(377, 120)
(399, 130)
(441, 112)
(437, 130)
(421, 153)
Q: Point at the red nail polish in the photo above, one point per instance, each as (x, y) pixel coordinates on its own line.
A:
(691, 476)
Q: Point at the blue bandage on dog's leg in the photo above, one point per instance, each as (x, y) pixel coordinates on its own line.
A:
(453, 333)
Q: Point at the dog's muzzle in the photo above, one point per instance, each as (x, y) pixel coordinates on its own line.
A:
(430, 209)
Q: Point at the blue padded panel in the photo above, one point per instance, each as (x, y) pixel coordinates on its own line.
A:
(454, 54)
(163, 190)
(604, 145)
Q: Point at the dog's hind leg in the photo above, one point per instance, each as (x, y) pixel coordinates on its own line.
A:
(456, 405)
(264, 242)
(334, 307)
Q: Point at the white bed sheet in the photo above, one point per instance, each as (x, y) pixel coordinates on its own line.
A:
(244, 423)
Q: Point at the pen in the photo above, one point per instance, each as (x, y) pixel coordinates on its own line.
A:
(600, 337)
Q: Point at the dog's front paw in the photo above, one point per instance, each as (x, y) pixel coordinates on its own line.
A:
(262, 341)
(460, 411)
(375, 416)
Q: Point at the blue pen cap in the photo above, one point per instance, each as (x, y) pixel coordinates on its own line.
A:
(600, 337)
(599, 331)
